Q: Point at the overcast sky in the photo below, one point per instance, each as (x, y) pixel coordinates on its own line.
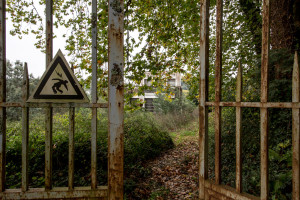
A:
(25, 51)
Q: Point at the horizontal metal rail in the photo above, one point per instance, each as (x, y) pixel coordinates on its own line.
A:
(220, 191)
(255, 104)
(56, 193)
(54, 105)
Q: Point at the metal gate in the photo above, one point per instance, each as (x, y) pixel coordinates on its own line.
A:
(207, 189)
(115, 106)
(213, 190)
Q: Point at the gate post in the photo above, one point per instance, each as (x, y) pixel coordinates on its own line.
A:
(116, 99)
(264, 149)
(94, 97)
(203, 97)
(48, 110)
(296, 129)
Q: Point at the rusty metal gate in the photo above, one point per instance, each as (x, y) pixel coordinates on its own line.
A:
(207, 189)
(213, 189)
(115, 106)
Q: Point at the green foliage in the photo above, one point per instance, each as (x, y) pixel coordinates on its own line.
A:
(161, 37)
(168, 42)
(144, 139)
(280, 66)
(14, 82)
(174, 113)
(164, 104)
(237, 46)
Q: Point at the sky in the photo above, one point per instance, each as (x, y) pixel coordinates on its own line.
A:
(25, 51)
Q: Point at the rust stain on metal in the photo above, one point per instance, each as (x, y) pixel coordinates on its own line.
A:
(94, 149)
(94, 98)
(265, 51)
(116, 99)
(264, 154)
(56, 193)
(203, 96)
(227, 192)
(238, 179)
(256, 104)
(218, 85)
(71, 148)
(296, 130)
(25, 130)
(116, 76)
(218, 144)
(49, 31)
(49, 110)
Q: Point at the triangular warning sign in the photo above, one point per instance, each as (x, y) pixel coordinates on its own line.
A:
(58, 84)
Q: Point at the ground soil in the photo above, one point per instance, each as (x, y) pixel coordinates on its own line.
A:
(173, 175)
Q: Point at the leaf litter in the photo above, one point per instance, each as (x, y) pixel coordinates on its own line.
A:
(173, 175)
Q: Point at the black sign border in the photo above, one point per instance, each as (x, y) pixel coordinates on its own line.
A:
(57, 61)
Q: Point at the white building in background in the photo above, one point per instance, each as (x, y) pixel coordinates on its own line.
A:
(150, 95)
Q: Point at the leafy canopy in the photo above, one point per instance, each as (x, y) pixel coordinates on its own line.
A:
(161, 36)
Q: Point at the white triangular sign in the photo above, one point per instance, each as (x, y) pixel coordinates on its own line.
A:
(58, 84)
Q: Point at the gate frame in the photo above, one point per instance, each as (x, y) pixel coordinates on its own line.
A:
(213, 189)
(114, 190)
(115, 106)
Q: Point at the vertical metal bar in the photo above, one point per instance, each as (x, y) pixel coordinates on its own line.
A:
(94, 149)
(203, 96)
(48, 111)
(25, 130)
(218, 85)
(71, 146)
(94, 51)
(116, 98)
(296, 130)
(239, 83)
(49, 31)
(2, 93)
(48, 149)
(94, 97)
(264, 173)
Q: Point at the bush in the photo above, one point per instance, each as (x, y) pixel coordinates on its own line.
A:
(174, 113)
(144, 140)
(144, 137)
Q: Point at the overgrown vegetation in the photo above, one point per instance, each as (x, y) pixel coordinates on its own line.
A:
(170, 30)
(280, 136)
(178, 117)
(144, 140)
(14, 80)
(174, 113)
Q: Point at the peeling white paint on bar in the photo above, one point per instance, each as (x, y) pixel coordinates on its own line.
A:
(116, 98)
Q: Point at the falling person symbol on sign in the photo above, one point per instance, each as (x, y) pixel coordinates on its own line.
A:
(56, 86)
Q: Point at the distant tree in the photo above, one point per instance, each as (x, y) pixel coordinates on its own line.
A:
(14, 76)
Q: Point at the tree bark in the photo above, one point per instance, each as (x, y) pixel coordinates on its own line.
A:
(285, 23)
(254, 21)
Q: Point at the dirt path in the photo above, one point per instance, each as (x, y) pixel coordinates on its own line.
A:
(173, 175)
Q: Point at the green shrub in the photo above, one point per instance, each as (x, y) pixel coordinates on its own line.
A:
(144, 139)
(178, 105)
(174, 113)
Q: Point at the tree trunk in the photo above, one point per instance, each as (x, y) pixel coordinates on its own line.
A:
(285, 23)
